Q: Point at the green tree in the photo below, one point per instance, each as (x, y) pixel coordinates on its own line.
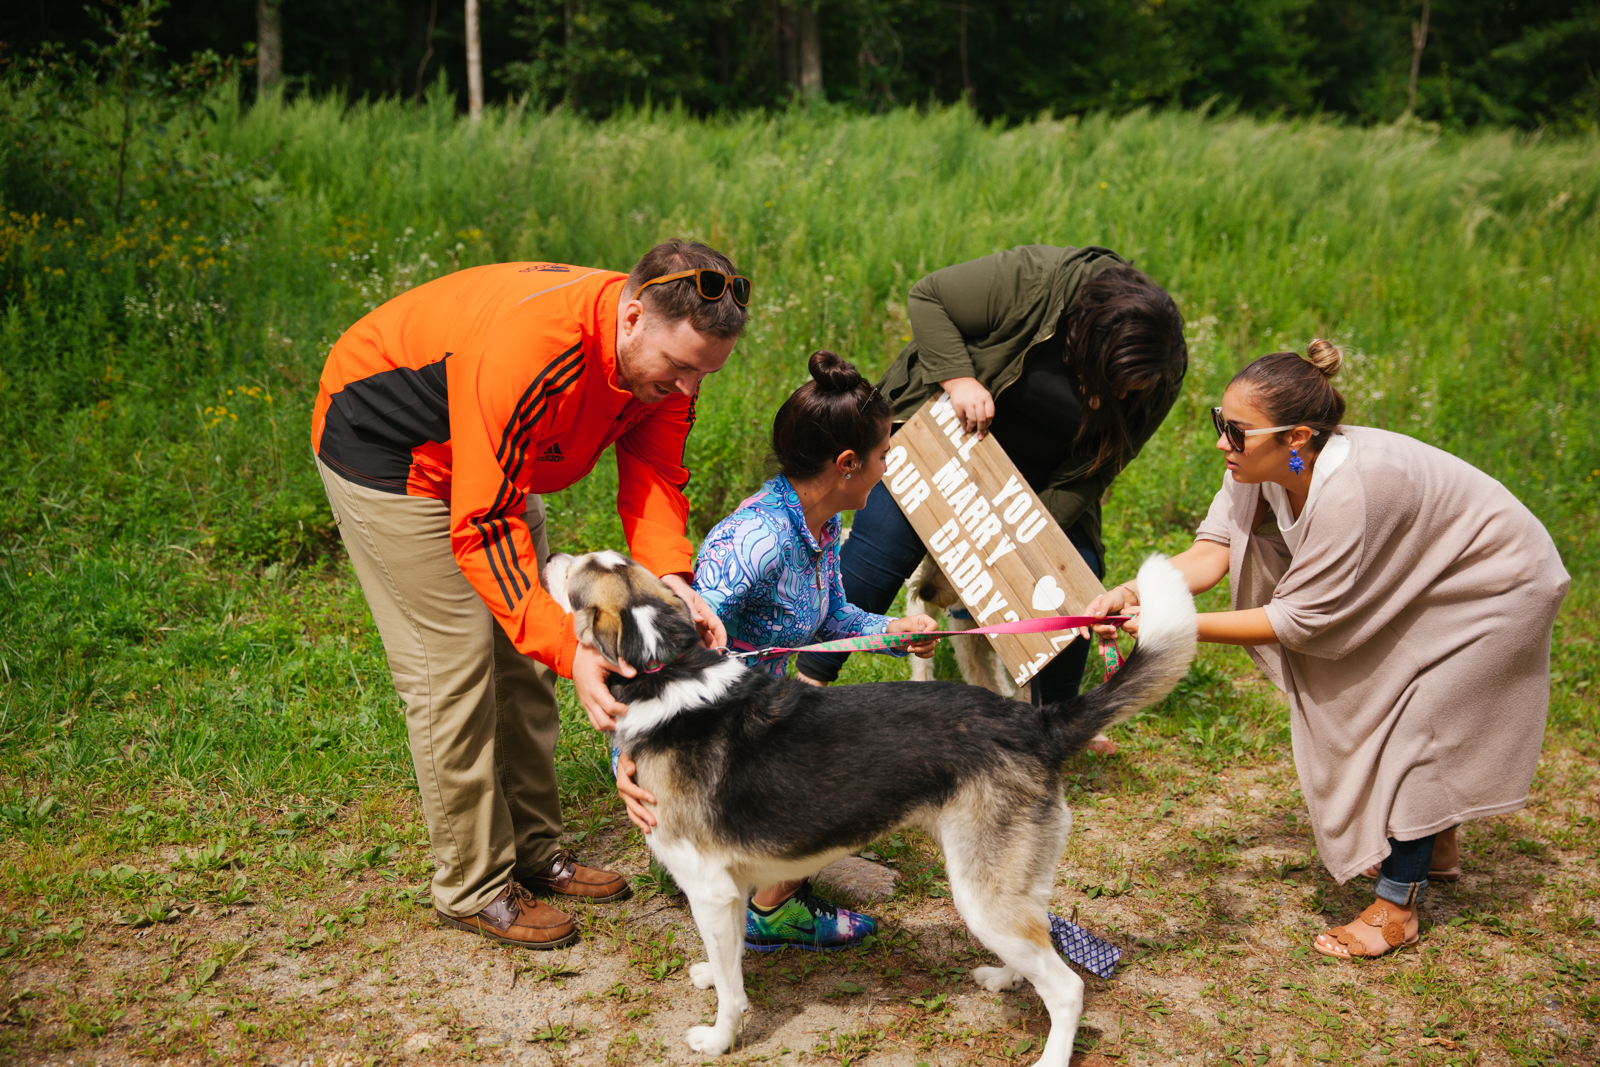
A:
(594, 54)
(80, 129)
(1246, 52)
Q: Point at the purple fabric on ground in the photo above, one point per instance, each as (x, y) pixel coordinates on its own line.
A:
(1083, 948)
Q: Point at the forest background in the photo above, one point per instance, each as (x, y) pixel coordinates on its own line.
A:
(196, 714)
(1527, 63)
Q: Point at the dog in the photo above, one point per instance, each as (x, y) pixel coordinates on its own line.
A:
(929, 592)
(730, 753)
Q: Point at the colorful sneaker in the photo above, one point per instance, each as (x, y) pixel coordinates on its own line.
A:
(803, 921)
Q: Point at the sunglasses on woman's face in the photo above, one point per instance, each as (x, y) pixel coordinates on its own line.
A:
(1234, 434)
(710, 284)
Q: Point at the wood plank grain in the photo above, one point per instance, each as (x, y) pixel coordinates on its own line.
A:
(989, 532)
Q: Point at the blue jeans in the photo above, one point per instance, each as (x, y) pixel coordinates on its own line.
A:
(1403, 875)
(880, 555)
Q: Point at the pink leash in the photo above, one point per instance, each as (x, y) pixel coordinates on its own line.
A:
(874, 642)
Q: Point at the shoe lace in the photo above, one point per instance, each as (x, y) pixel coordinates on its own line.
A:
(560, 860)
(813, 903)
(517, 894)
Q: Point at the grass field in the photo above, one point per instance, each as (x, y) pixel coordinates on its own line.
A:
(204, 785)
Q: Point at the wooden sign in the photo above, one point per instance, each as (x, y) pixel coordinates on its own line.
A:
(989, 533)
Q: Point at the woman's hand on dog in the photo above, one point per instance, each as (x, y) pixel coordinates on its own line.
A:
(589, 670)
(712, 633)
(634, 798)
(916, 624)
(1120, 600)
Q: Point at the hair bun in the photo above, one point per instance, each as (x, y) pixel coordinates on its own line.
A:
(1326, 356)
(832, 374)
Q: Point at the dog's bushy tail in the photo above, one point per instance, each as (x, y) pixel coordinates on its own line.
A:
(1158, 664)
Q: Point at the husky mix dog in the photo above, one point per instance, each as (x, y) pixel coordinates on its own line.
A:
(930, 592)
(732, 754)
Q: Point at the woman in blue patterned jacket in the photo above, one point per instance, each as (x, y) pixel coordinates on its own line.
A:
(770, 571)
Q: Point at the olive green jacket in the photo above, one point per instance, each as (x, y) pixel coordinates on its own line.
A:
(979, 320)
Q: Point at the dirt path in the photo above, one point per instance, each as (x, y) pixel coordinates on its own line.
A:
(1212, 892)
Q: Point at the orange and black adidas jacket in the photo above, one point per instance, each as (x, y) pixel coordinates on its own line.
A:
(489, 384)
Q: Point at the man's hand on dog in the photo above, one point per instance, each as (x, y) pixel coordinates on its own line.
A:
(712, 633)
(632, 796)
(589, 668)
(916, 624)
(589, 671)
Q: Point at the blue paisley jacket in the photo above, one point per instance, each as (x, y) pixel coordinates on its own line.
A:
(771, 583)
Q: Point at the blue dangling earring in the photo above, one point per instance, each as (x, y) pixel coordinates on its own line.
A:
(1296, 464)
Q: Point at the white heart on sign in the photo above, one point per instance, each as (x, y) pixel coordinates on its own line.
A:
(1047, 595)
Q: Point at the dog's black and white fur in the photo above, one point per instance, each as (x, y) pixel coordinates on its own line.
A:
(734, 755)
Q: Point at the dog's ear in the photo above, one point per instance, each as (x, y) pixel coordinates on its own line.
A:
(554, 579)
(601, 630)
(676, 604)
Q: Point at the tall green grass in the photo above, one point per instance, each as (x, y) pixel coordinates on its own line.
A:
(173, 613)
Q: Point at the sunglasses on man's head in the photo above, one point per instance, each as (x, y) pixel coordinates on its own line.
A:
(710, 284)
(1234, 434)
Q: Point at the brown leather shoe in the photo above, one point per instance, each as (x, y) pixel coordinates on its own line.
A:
(566, 877)
(515, 918)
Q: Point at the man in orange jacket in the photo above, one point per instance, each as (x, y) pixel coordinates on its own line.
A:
(440, 418)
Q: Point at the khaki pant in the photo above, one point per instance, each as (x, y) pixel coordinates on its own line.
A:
(481, 716)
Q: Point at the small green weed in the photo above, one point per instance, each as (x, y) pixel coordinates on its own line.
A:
(26, 814)
(556, 1035)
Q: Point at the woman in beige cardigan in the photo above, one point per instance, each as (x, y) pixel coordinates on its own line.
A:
(1404, 601)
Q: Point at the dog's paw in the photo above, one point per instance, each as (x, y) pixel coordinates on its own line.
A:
(997, 979)
(709, 1039)
(700, 974)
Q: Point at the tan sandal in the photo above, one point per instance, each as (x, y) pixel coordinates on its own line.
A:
(1379, 914)
(1101, 745)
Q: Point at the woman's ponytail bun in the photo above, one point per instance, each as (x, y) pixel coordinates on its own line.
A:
(836, 411)
(832, 374)
(1326, 356)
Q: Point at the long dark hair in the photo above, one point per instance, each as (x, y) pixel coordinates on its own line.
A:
(836, 411)
(1122, 335)
(1291, 391)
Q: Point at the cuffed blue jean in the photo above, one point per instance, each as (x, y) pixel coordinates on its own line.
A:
(880, 554)
(1403, 876)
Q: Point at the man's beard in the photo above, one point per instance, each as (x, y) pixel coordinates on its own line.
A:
(644, 392)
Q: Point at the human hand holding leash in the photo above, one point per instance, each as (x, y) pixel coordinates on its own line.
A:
(589, 670)
(633, 797)
(712, 633)
(1119, 600)
(916, 624)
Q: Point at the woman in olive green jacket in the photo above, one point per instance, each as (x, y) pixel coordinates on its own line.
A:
(1071, 358)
